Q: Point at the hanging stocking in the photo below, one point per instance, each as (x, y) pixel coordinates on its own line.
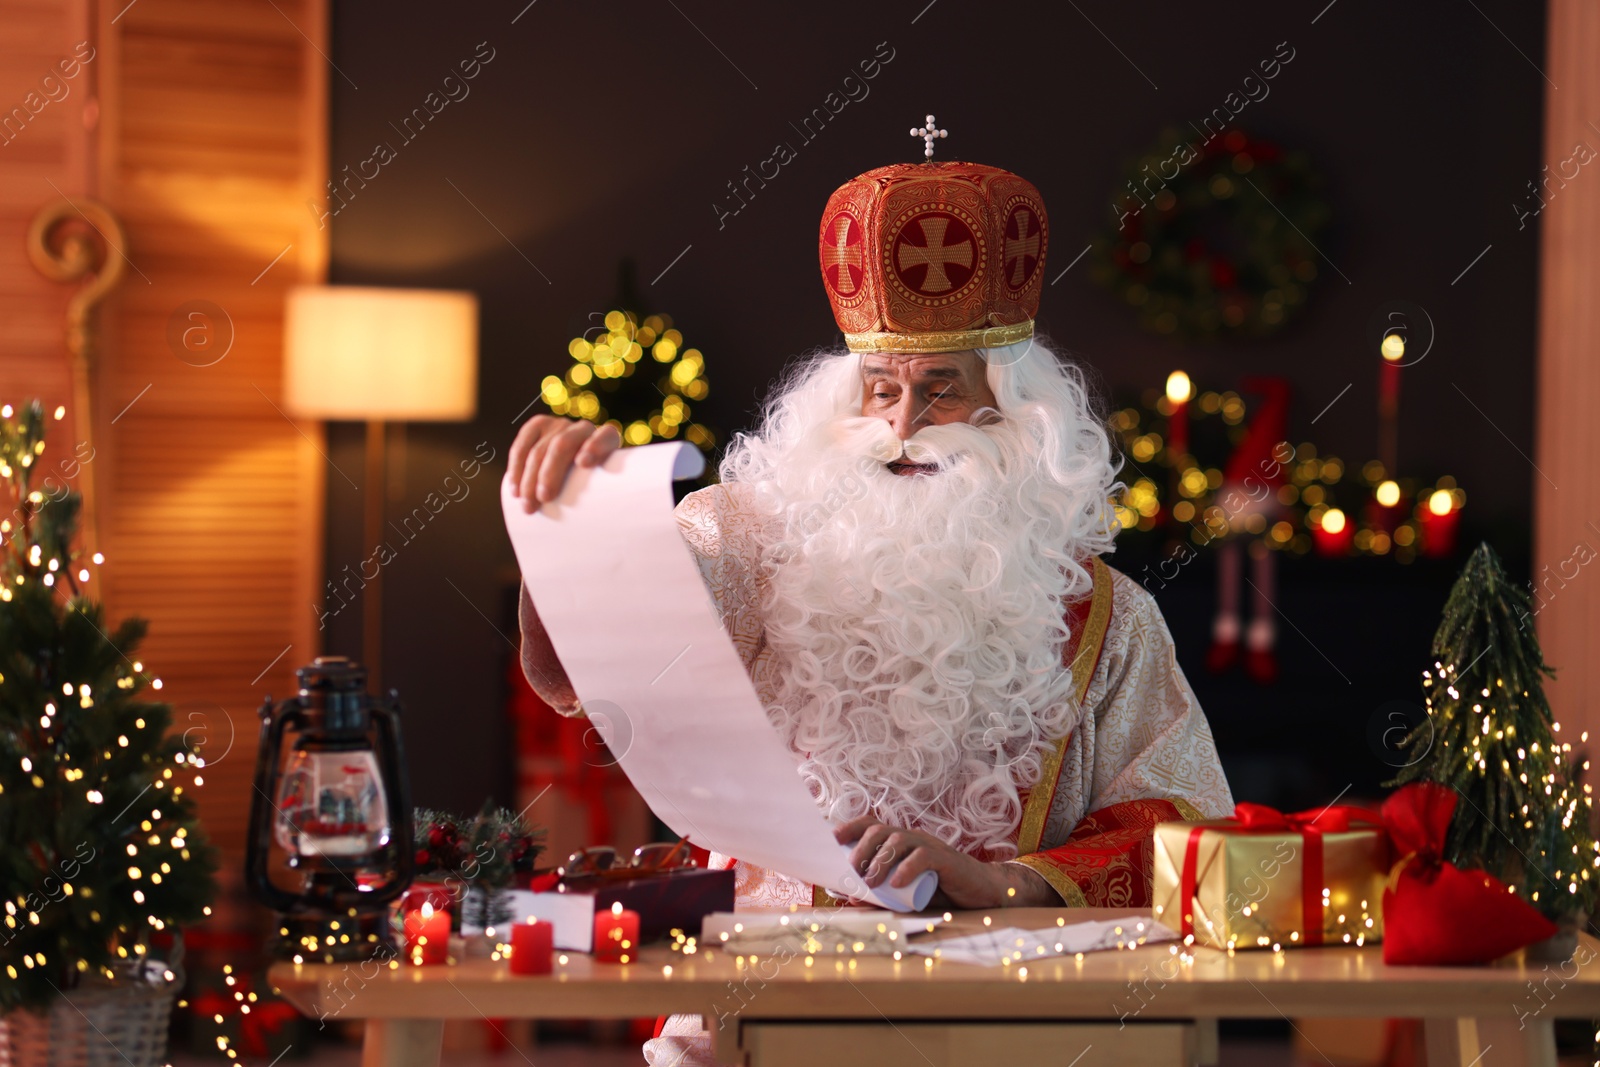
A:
(1261, 639)
(1224, 651)
(1250, 481)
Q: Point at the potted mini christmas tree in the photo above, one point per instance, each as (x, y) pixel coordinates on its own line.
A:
(1524, 814)
(101, 856)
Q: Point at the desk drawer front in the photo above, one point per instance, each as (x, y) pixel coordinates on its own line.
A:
(958, 1044)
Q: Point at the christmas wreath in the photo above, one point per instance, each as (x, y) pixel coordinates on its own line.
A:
(1214, 239)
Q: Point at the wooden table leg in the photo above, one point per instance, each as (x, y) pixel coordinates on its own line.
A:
(402, 1043)
(1443, 1040)
(1466, 1042)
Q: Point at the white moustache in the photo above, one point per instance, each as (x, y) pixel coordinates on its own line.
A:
(944, 445)
(941, 446)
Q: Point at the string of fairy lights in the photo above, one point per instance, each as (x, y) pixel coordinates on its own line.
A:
(814, 942)
(158, 845)
(58, 756)
(1313, 506)
(22, 454)
(1493, 746)
(598, 386)
(1351, 927)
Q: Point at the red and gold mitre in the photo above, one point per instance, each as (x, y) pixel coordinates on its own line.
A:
(934, 257)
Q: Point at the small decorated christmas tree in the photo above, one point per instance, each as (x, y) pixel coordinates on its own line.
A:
(1490, 735)
(100, 850)
(636, 376)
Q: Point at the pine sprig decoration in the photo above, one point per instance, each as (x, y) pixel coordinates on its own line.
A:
(100, 849)
(488, 850)
(1524, 813)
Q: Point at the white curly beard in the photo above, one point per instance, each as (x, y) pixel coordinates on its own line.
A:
(917, 622)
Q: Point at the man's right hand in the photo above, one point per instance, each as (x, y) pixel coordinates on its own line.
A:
(548, 447)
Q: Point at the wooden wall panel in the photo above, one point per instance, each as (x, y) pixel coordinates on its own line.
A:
(203, 125)
(44, 154)
(213, 140)
(1567, 483)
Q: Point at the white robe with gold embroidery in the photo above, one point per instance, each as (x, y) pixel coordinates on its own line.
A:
(1142, 734)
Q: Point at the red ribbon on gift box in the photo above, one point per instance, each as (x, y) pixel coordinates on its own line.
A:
(1261, 819)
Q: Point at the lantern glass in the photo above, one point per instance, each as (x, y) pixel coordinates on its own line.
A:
(332, 804)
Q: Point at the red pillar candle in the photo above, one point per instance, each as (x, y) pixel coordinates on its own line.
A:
(616, 935)
(427, 927)
(1333, 535)
(1394, 350)
(1179, 389)
(532, 943)
(1387, 508)
(1389, 388)
(1439, 519)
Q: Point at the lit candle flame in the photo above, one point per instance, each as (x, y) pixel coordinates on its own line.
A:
(1179, 388)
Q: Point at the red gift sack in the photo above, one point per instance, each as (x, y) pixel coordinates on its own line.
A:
(1435, 913)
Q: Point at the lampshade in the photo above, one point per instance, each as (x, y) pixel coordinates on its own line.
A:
(359, 353)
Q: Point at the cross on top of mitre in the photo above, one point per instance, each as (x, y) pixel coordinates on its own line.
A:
(928, 134)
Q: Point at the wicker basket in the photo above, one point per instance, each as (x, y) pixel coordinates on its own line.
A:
(98, 1024)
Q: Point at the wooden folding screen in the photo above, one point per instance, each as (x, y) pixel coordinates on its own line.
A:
(203, 127)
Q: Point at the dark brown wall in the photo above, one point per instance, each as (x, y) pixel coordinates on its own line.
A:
(604, 130)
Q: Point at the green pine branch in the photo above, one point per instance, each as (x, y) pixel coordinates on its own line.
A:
(487, 850)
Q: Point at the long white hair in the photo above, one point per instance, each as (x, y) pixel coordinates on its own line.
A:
(916, 624)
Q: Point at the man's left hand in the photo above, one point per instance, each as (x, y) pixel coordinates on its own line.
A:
(884, 853)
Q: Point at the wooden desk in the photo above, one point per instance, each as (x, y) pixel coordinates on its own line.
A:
(1119, 1007)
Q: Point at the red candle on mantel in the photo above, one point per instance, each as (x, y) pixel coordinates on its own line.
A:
(1333, 535)
(1179, 389)
(1389, 378)
(1387, 508)
(532, 943)
(616, 935)
(1439, 520)
(427, 925)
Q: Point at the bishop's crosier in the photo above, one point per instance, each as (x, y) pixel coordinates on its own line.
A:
(907, 556)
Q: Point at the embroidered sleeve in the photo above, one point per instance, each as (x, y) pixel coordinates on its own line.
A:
(1106, 862)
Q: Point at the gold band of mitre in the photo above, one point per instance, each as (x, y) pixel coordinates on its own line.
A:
(940, 340)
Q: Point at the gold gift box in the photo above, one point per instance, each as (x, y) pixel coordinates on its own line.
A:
(1249, 885)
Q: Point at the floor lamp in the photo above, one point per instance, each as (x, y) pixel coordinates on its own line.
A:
(380, 355)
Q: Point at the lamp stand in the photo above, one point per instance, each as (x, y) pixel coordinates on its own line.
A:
(371, 534)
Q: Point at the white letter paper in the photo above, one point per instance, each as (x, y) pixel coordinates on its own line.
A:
(633, 624)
